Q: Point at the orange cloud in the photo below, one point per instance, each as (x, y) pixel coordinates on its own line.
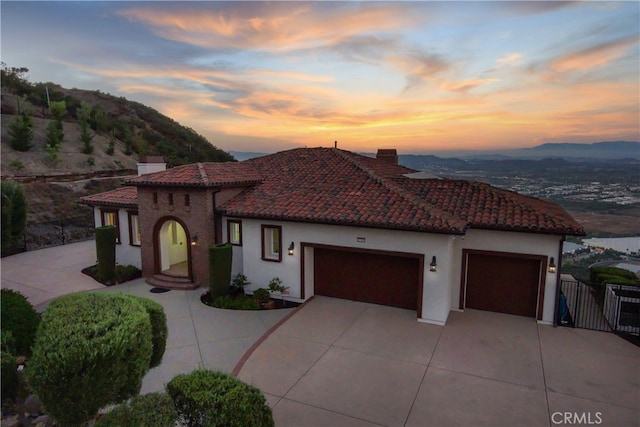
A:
(595, 56)
(270, 27)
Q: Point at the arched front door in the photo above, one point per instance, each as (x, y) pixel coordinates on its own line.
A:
(173, 250)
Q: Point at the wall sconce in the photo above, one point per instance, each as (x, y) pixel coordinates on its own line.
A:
(194, 240)
(432, 266)
(291, 247)
(552, 266)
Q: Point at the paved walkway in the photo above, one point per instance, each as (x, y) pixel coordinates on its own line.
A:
(199, 336)
(343, 363)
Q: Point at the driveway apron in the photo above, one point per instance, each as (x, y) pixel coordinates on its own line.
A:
(344, 363)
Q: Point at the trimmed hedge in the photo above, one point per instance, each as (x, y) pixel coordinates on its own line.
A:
(19, 318)
(220, 258)
(149, 410)
(106, 253)
(159, 329)
(205, 398)
(91, 350)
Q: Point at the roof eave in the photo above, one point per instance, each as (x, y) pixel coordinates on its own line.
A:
(377, 226)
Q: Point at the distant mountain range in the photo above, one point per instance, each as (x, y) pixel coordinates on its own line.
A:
(598, 150)
(581, 152)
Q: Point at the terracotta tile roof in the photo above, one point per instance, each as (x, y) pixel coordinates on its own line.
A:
(332, 186)
(201, 175)
(482, 206)
(326, 185)
(126, 197)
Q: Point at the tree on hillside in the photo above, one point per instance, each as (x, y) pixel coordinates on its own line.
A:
(84, 114)
(55, 131)
(14, 78)
(21, 133)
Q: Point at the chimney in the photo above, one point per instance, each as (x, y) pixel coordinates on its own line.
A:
(389, 155)
(151, 164)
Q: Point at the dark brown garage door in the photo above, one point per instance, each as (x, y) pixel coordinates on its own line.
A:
(504, 284)
(369, 277)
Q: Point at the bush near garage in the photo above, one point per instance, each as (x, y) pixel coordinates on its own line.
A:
(149, 410)
(206, 398)
(613, 276)
(20, 319)
(91, 350)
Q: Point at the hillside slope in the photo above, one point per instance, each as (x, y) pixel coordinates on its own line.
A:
(133, 128)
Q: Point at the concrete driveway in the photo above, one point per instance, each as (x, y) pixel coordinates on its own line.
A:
(344, 363)
(341, 363)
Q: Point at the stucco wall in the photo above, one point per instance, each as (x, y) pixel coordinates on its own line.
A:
(125, 253)
(441, 290)
(436, 298)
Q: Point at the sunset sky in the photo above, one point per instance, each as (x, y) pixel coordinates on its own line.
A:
(421, 77)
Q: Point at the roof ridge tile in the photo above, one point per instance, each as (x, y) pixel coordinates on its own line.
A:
(203, 174)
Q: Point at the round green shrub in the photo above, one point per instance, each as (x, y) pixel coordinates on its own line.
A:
(262, 294)
(91, 350)
(148, 410)
(159, 330)
(19, 318)
(207, 398)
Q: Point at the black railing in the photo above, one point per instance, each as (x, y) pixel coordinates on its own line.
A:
(54, 233)
(610, 308)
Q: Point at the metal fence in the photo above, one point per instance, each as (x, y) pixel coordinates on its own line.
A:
(610, 308)
(55, 233)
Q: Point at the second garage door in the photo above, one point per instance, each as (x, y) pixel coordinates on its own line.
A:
(377, 278)
(502, 283)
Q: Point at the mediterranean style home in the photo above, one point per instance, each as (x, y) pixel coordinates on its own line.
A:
(331, 222)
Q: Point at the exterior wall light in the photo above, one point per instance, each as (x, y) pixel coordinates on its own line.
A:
(194, 240)
(552, 266)
(433, 265)
(291, 247)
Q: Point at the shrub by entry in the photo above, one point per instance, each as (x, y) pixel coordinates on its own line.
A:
(106, 253)
(90, 350)
(205, 398)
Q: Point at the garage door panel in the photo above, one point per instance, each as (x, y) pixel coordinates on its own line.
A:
(502, 284)
(369, 277)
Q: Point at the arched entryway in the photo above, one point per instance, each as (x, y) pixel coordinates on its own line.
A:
(172, 248)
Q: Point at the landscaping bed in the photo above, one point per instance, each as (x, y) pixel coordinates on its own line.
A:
(240, 301)
(124, 273)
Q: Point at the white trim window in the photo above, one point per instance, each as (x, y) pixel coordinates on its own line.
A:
(234, 232)
(110, 217)
(272, 243)
(134, 229)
